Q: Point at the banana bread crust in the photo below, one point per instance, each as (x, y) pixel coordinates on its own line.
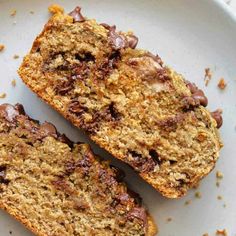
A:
(55, 187)
(126, 99)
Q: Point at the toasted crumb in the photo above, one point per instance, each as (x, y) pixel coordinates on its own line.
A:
(196, 186)
(222, 84)
(219, 197)
(32, 12)
(13, 83)
(54, 8)
(206, 234)
(16, 56)
(198, 195)
(3, 95)
(219, 175)
(208, 76)
(187, 202)
(169, 219)
(13, 12)
(221, 232)
(10, 232)
(2, 47)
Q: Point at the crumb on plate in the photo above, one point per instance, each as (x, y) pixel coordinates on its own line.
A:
(3, 95)
(219, 175)
(208, 76)
(54, 8)
(13, 83)
(16, 56)
(169, 219)
(13, 12)
(219, 197)
(2, 47)
(222, 84)
(218, 184)
(221, 232)
(198, 195)
(206, 234)
(32, 12)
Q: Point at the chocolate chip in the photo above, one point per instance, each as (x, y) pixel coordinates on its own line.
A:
(113, 111)
(76, 14)
(217, 115)
(9, 112)
(117, 41)
(156, 58)
(106, 26)
(197, 94)
(140, 163)
(132, 41)
(48, 129)
(3, 179)
(77, 108)
(138, 213)
(64, 86)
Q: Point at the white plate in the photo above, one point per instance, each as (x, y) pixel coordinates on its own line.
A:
(190, 35)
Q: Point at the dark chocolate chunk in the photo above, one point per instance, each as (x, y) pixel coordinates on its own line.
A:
(117, 41)
(76, 14)
(48, 129)
(85, 57)
(132, 41)
(9, 112)
(76, 108)
(217, 115)
(197, 94)
(154, 155)
(64, 86)
(3, 179)
(138, 213)
(135, 196)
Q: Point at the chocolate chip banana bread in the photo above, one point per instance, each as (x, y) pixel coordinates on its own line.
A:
(126, 99)
(56, 187)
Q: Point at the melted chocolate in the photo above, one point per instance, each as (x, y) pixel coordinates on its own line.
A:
(217, 115)
(76, 14)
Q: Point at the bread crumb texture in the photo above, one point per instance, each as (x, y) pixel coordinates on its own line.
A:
(58, 188)
(127, 101)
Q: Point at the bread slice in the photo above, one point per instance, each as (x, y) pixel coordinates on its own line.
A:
(55, 187)
(129, 103)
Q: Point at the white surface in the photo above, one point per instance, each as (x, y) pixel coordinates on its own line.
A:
(190, 35)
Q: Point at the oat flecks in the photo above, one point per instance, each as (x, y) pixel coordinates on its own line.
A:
(222, 84)
(13, 12)
(2, 47)
(198, 195)
(3, 95)
(208, 76)
(222, 232)
(219, 175)
(13, 83)
(54, 8)
(16, 56)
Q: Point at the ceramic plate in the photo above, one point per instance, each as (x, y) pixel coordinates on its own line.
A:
(190, 36)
